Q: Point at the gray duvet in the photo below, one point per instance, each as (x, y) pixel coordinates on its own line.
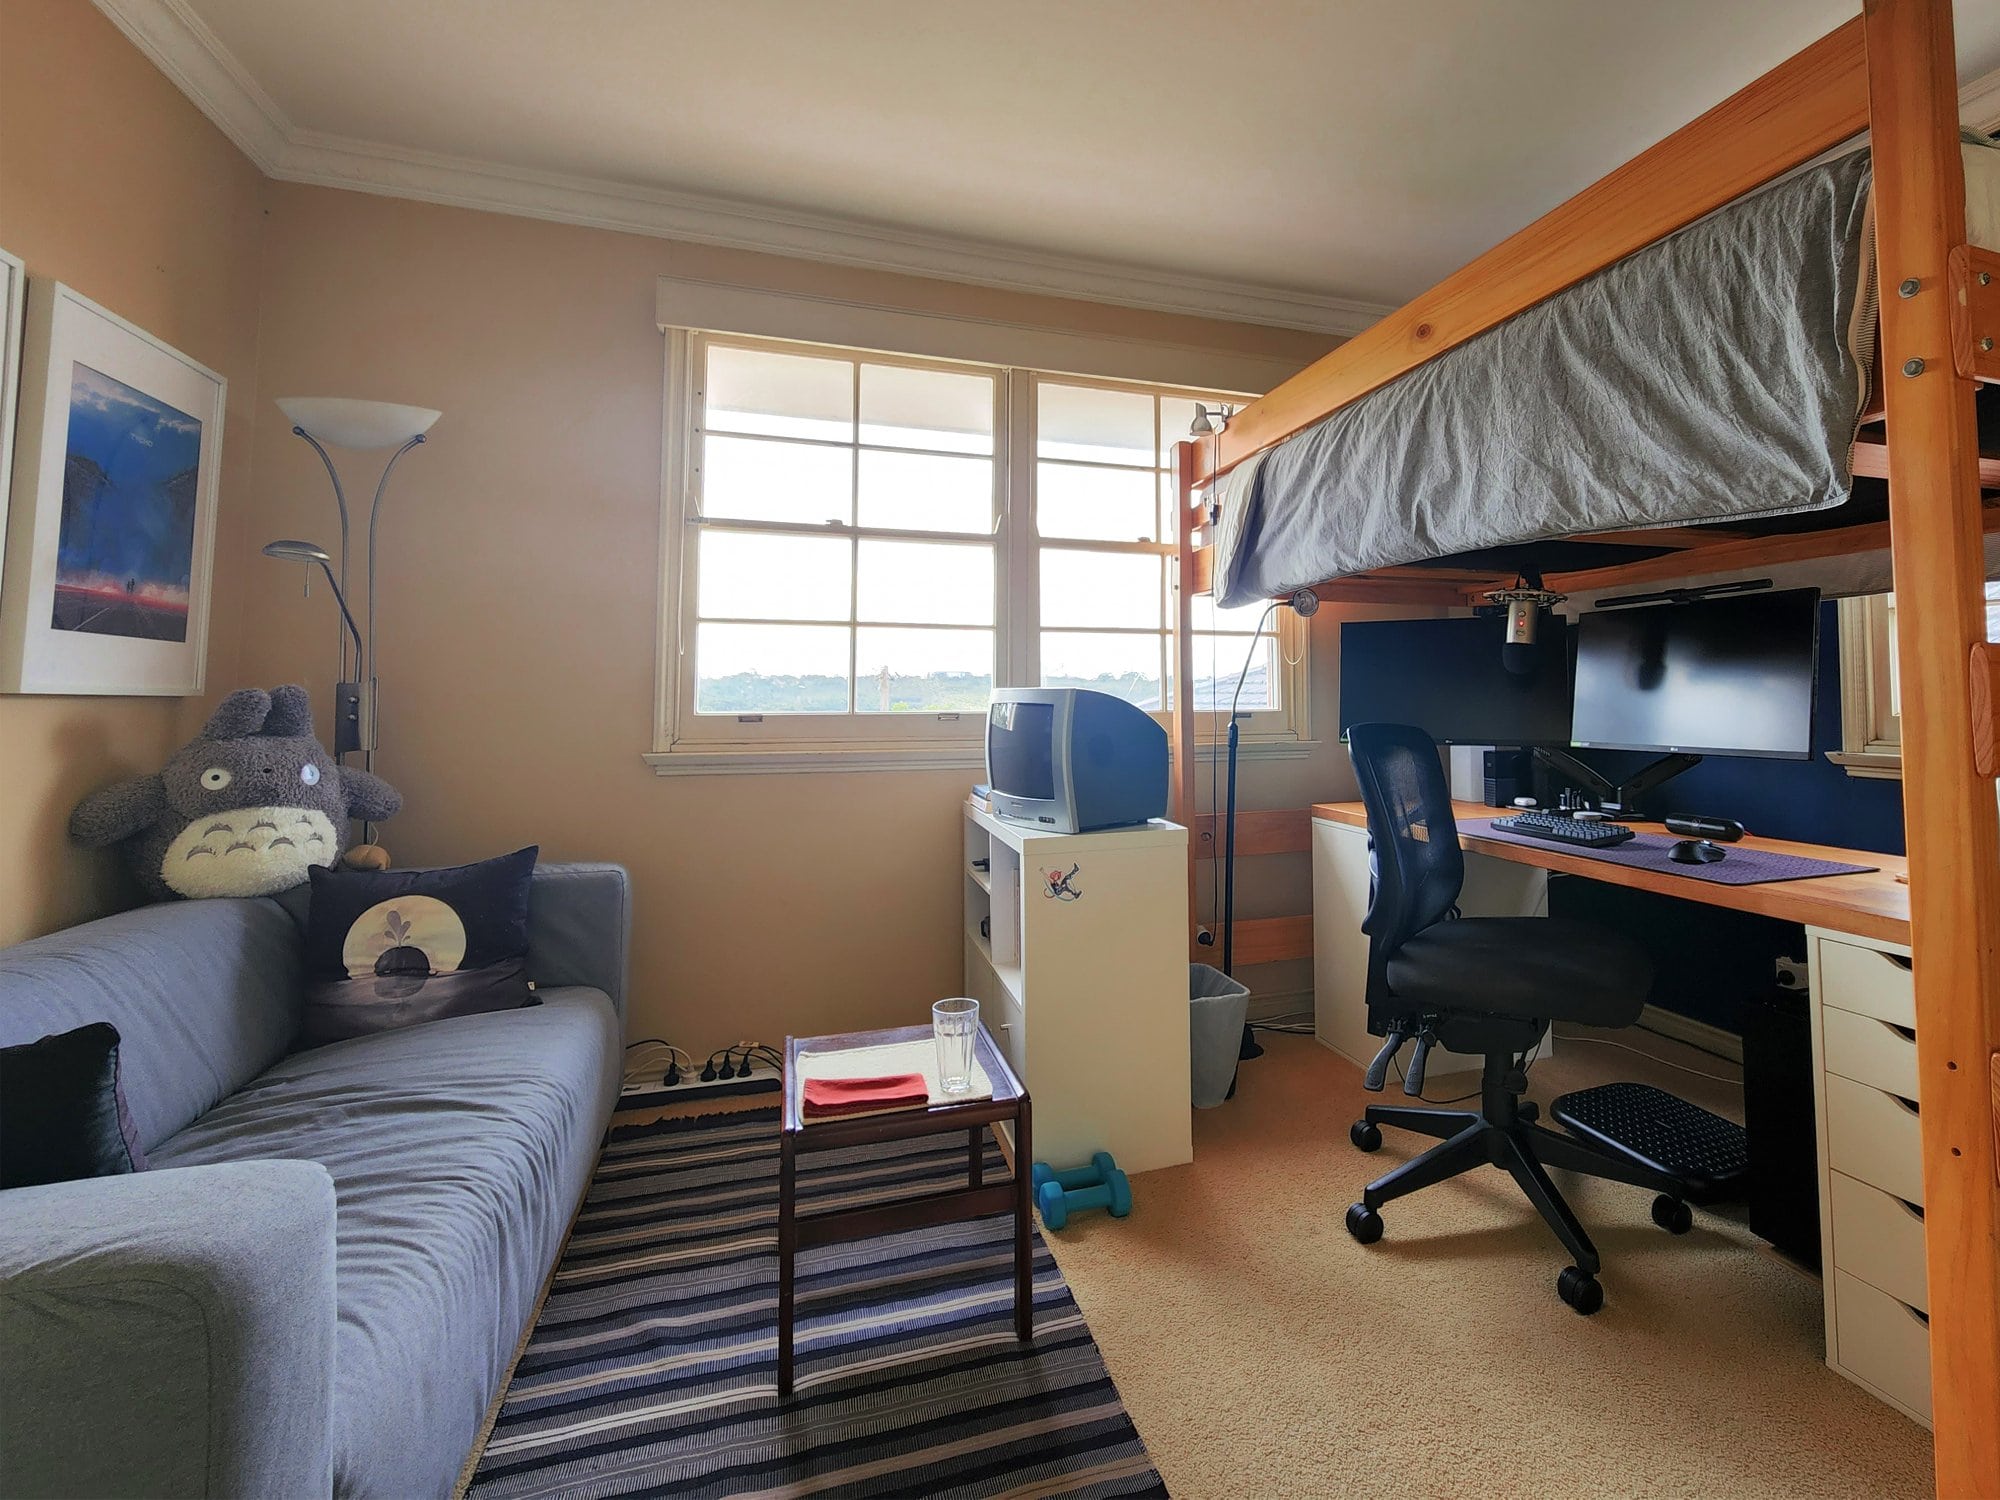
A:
(1712, 375)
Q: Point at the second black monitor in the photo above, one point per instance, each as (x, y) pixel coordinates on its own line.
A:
(1445, 677)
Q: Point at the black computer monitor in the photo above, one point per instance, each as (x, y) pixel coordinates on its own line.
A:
(1727, 676)
(1445, 677)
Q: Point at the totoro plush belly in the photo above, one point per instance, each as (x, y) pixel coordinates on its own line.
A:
(248, 851)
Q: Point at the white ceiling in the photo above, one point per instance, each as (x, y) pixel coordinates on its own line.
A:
(1324, 151)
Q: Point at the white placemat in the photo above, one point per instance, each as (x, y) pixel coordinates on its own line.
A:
(889, 1060)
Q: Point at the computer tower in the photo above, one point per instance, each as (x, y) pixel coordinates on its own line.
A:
(1778, 1114)
(1509, 774)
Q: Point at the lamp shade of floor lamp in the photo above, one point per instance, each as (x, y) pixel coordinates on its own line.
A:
(342, 422)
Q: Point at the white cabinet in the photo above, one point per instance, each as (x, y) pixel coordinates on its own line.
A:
(1341, 882)
(1871, 1171)
(1076, 950)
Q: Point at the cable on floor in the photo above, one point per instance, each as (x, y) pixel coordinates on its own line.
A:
(1605, 1041)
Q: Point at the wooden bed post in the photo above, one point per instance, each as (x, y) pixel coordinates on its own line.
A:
(1184, 714)
(1948, 808)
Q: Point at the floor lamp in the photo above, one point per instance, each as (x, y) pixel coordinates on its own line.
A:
(339, 422)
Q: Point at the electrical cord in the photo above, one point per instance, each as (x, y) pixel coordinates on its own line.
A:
(646, 1064)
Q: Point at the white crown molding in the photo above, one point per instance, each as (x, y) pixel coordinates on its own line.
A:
(182, 46)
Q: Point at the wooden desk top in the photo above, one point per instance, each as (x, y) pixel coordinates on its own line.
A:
(1873, 905)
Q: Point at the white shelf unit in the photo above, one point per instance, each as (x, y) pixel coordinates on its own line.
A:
(1871, 1168)
(1086, 993)
(1342, 880)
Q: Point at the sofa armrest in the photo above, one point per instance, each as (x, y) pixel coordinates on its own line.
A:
(169, 1333)
(580, 928)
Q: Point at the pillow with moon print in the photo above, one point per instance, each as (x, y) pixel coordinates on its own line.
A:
(393, 948)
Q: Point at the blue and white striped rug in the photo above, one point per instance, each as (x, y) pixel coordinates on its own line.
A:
(653, 1369)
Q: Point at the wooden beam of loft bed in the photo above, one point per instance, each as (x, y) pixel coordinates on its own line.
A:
(1948, 811)
(1814, 101)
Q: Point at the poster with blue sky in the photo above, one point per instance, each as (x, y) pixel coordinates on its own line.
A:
(125, 548)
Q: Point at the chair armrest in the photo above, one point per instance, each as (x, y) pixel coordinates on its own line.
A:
(169, 1333)
(580, 928)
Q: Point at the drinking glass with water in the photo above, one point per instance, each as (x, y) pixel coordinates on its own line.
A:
(954, 1023)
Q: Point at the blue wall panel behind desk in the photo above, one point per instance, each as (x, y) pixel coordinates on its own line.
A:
(1813, 801)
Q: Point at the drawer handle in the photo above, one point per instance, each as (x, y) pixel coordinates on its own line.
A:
(1899, 961)
(1922, 1317)
(1914, 1210)
(1909, 1105)
(1902, 1031)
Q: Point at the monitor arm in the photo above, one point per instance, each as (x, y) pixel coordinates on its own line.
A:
(1623, 796)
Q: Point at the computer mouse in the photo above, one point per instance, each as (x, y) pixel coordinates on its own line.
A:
(1696, 852)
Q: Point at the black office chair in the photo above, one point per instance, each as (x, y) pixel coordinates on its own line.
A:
(1486, 985)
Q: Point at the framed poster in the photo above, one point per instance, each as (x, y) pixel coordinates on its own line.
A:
(13, 307)
(111, 531)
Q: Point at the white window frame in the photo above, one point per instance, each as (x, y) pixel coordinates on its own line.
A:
(1871, 730)
(685, 742)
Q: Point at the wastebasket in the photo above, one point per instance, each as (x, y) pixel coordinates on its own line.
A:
(1217, 1006)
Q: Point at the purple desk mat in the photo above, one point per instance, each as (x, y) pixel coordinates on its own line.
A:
(1648, 851)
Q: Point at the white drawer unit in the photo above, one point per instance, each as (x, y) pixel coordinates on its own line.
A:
(1871, 1051)
(1882, 1344)
(1871, 1172)
(1874, 1136)
(1880, 1238)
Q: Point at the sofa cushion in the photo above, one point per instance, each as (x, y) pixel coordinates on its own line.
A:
(62, 1114)
(205, 995)
(459, 1150)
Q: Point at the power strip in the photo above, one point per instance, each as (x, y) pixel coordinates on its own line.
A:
(761, 1078)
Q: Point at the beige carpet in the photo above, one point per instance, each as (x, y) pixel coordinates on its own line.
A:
(1263, 1352)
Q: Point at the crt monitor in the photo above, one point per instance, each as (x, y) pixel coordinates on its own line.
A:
(1730, 676)
(1070, 760)
(1445, 677)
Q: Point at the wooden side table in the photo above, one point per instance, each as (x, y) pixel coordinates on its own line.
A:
(798, 1231)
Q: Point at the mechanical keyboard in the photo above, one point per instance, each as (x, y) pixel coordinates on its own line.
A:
(1560, 830)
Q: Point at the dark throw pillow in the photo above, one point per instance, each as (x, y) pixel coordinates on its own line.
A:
(391, 948)
(62, 1112)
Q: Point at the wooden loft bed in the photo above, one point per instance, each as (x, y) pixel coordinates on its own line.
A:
(1890, 72)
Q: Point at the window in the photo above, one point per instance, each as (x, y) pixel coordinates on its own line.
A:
(868, 543)
(1871, 708)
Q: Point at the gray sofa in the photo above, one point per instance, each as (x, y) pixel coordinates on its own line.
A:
(320, 1282)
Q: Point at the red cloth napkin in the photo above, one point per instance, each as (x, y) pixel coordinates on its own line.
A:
(846, 1096)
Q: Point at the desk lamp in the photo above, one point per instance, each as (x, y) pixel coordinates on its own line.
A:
(361, 425)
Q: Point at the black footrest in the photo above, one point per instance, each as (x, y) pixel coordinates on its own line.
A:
(1710, 1155)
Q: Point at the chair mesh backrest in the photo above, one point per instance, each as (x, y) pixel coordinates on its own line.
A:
(1418, 866)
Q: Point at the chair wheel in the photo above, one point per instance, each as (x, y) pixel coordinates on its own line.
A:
(1366, 1135)
(1672, 1215)
(1364, 1223)
(1580, 1290)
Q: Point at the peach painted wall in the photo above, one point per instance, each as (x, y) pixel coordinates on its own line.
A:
(114, 183)
(520, 596)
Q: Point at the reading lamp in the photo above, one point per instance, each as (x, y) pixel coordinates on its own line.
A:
(346, 693)
(362, 425)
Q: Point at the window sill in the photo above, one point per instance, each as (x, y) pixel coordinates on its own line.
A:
(1873, 765)
(805, 760)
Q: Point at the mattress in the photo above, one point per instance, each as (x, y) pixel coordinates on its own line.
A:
(1717, 374)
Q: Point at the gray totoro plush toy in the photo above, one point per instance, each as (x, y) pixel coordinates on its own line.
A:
(243, 810)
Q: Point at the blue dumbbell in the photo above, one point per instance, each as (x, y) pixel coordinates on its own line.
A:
(1099, 1185)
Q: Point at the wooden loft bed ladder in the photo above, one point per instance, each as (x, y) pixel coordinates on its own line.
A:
(1890, 71)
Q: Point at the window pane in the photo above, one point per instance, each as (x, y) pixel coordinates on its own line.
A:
(770, 669)
(927, 583)
(1106, 427)
(925, 493)
(744, 576)
(1219, 659)
(922, 671)
(1102, 588)
(1993, 612)
(785, 395)
(1127, 666)
(746, 480)
(1111, 505)
(1244, 617)
(906, 408)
